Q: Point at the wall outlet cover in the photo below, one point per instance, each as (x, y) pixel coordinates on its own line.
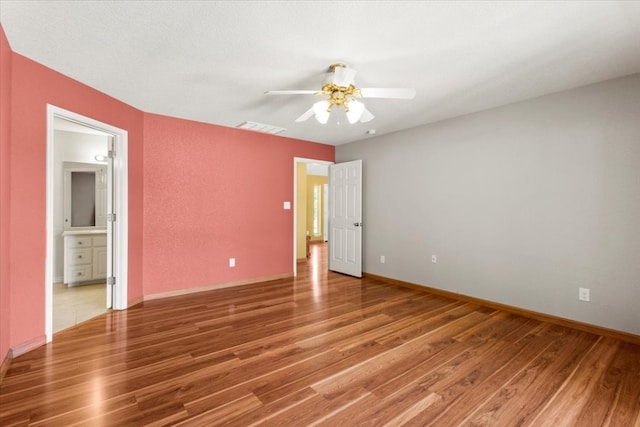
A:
(584, 294)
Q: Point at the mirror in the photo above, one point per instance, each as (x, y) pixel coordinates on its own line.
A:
(85, 195)
(83, 199)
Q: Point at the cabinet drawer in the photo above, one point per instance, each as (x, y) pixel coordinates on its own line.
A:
(78, 242)
(79, 273)
(100, 241)
(79, 256)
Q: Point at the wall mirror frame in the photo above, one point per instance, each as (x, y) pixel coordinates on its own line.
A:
(85, 196)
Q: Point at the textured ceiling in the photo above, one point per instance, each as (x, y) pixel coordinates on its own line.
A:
(212, 61)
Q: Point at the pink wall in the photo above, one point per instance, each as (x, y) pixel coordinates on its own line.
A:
(5, 170)
(212, 193)
(33, 87)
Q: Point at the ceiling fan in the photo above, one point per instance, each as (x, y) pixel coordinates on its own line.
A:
(340, 90)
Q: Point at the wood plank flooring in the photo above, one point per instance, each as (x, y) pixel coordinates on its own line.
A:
(322, 349)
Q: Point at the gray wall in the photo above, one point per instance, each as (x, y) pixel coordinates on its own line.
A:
(522, 204)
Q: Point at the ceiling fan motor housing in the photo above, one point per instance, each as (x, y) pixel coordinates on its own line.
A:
(340, 95)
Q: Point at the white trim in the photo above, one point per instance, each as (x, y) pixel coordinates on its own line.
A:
(297, 160)
(121, 208)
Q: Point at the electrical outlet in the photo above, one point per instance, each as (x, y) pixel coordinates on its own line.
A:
(434, 259)
(232, 262)
(381, 259)
(584, 294)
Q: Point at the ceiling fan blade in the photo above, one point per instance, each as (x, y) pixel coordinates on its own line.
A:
(291, 92)
(388, 92)
(306, 115)
(343, 76)
(366, 116)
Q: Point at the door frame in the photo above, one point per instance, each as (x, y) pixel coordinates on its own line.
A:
(297, 160)
(120, 188)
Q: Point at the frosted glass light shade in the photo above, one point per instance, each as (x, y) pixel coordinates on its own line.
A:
(321, 110)
(355, 111)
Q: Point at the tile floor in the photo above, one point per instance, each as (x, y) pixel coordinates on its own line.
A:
(72, 305)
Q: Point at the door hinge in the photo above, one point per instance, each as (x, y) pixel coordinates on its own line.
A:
(111, 154)
(111, 217)
(111, 281)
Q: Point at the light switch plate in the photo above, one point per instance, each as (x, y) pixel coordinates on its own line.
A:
(287, 205)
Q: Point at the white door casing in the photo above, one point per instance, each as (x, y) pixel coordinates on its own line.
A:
(345, 218)
(110, 222)
(119, 198)
(101, 195)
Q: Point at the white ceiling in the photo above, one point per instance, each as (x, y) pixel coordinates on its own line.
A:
(212, 61)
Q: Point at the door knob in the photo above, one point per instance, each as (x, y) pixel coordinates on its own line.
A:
(357, 224)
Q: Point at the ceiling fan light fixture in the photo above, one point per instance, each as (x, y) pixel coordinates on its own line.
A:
(354, 111)
(322, 109)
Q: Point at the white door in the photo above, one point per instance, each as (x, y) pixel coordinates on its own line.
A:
(101, 197)
(111, 223)
(345, 218)
(325, 213)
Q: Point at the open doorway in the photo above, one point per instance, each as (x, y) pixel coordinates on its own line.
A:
(80, 175)
(310, 204)
(86, 262)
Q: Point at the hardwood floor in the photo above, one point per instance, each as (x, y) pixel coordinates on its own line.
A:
(323, 349)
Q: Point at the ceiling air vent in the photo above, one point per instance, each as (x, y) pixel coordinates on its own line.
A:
(259, 127)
